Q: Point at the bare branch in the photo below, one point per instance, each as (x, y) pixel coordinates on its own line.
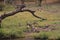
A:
(17, 11)
(32, 12)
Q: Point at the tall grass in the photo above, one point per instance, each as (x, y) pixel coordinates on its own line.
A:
(17, 25)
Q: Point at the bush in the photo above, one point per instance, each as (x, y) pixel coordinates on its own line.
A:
(10, 34)
(41, 36)
(1, 34)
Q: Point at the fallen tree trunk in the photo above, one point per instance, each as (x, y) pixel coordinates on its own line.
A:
(17, 11)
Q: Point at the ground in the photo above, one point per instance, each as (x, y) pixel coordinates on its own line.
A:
(17, 23)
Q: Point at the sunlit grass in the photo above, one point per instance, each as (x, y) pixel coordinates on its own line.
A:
(24, 17)
(17, 23)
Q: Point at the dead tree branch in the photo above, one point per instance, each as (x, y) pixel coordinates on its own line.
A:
(32, 12)
(5, 15)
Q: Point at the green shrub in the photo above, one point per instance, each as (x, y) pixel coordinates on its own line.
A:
(1, 34)
(41, 36)
(47, 36)
(10, 33)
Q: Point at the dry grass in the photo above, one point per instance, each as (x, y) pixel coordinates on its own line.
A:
(18, 23)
